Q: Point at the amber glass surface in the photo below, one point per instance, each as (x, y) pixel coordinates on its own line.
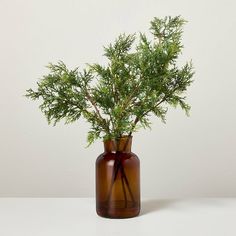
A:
(118, 180)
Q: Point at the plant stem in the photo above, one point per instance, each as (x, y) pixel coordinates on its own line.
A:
(103, 121)
(137, 119)
(127, 182)
(118, 166)
(113, 178)
(123, 186)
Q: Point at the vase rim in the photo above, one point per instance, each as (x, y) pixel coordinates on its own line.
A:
(121, 137)
(121, 144)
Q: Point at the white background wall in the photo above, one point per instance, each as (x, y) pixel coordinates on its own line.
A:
(187, 157)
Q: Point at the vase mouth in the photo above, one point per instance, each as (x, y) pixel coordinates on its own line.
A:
(120, 144)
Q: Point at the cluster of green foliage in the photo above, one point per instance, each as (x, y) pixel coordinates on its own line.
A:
(140, 78)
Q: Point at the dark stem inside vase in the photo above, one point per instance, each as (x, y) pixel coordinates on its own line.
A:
(119, 146)
(118, 187)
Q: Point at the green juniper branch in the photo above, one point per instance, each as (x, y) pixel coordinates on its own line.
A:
(140, 78)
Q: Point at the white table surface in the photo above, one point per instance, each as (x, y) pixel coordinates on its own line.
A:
(77, 216)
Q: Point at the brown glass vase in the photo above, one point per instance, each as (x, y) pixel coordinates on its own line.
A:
(118, 180)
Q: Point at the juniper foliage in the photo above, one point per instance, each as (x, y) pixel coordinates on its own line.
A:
(140, 78)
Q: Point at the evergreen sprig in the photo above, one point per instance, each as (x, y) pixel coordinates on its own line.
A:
(140, 78)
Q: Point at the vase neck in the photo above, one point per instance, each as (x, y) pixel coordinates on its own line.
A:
(122, 144)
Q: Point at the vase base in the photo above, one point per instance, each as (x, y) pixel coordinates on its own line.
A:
(118, 209)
